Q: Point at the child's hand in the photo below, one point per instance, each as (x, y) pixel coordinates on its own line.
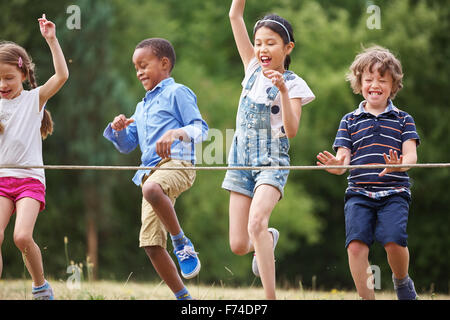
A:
(164, 143)
(327, 159)
(277, 79)
(391, 159)
(48, 28)
(121, 122)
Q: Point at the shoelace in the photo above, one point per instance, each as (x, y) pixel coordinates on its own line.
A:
(186, 252)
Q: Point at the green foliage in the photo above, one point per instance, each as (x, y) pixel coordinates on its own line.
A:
(103, 84)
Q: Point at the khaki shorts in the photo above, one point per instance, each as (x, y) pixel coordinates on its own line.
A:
(173, 183)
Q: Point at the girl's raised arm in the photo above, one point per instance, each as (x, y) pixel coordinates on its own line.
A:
(52, 86)
(243, 42)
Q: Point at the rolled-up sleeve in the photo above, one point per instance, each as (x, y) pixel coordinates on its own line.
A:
(198, 131)
(190, 117)
(125, 140)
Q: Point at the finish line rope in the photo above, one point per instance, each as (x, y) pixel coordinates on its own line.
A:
(122, 168)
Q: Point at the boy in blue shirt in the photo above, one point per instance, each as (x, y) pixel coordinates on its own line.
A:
(376, 200)
(166, 125)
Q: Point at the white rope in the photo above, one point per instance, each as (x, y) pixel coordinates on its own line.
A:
(205, 168)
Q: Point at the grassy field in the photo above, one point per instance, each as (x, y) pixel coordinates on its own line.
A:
(108, 290)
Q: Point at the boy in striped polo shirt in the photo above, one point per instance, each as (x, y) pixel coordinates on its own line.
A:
(376, 200)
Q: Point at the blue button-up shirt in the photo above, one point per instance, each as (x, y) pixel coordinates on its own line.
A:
(167, 106)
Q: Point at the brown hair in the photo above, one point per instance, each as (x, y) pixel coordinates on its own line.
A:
(10, 53)
(368, 59)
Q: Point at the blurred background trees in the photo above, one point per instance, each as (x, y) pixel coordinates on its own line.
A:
(99, 211)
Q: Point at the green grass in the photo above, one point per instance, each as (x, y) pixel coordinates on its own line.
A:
(109, 290)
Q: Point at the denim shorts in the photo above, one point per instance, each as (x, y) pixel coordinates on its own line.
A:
(383, 220)
(246, 181)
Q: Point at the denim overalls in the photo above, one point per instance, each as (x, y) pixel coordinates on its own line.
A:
(253, 145)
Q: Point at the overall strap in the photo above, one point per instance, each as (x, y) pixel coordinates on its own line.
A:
(252, 79)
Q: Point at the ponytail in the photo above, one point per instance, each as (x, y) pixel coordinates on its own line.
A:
(287, 62)
(31, 77)
(46, 124)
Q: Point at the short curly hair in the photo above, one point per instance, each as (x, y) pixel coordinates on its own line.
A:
(370, 57)
(161, 48)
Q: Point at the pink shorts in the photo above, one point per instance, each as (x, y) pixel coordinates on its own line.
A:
(18, 188)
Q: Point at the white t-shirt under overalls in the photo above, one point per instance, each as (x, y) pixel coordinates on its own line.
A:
(297, 88)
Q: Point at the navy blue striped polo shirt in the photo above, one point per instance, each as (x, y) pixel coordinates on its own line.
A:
(367, 137)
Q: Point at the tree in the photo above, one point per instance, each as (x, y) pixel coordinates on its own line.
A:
(91, 98)
(103, 83)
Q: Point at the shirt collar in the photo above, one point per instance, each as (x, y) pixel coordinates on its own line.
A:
(161, 85)
(389, 108)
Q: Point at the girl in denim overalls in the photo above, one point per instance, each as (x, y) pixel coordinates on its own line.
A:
(269, 113)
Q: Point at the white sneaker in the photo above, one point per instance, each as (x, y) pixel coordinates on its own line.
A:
(275, 235)
(43, 292)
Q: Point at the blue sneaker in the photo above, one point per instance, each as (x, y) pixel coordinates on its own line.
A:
(406, 291)
(276, 236)
(187, 259)
(43, 292)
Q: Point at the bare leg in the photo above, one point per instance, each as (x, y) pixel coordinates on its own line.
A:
(6, 209)
(398, 259)
(162, 205)
(358, 260)
(264, 200)
(26, 215)
(165, 267)
(239, 210)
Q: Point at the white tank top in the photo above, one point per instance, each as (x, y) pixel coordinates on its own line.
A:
(21, 142)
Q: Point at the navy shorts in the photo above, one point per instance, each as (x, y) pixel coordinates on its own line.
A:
(383, 220)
